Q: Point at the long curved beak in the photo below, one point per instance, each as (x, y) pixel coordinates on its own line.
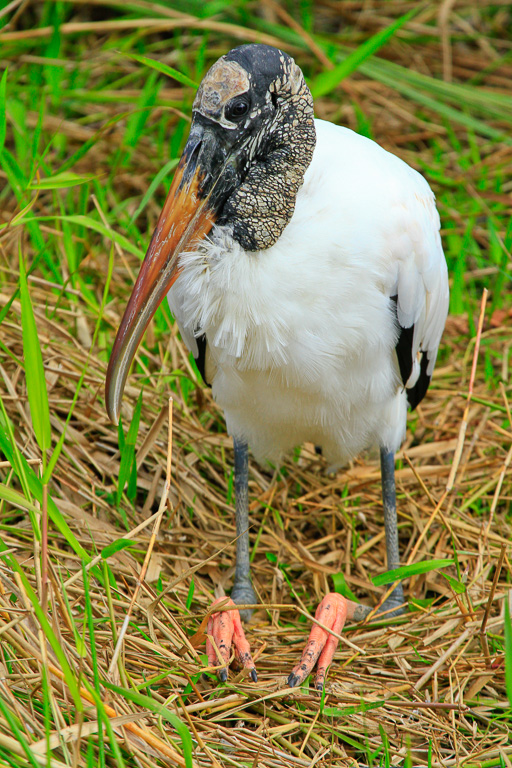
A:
(188, 215)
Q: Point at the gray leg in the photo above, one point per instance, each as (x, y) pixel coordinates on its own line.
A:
(387, 469)
(242, 591)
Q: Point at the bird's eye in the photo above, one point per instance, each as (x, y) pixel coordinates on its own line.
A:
(237, 109)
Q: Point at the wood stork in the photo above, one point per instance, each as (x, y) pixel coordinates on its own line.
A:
(304, 266)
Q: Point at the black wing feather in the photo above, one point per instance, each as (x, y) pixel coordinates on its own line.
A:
(201, 357)
(416, 393)
(404, 353)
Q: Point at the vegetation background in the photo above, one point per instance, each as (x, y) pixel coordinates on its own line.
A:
(105, 576)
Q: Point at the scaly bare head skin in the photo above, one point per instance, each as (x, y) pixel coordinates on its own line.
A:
(224, 81)
(251, 140)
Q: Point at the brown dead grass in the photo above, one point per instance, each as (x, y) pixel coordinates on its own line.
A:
(425, 673)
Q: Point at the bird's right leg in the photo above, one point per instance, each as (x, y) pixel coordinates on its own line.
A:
(242, 592)
(225, 626)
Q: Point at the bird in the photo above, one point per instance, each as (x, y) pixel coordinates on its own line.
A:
(304, 266)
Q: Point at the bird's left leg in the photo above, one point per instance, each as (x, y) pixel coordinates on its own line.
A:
(334, 609)
(225, 627)
(387, 469)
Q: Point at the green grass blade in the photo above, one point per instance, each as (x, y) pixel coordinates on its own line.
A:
(34, 369)
(116, 546)
(161, 711)
(508, 647)
(3, 119)
(80, 645)
(61, 180)
(327, 81)
(5, 309)
(36, 489)
(89, 223)
(405, 571)
(162, 173)
(58, 448)
(53, 71)
(190, 595)
(139, 117)
(128, 450)
(69, 675)
(12, 721)
(95, 662)
(164, 69)
(353, 710)
(47, 709)
(341, 586)
(15, 175)
(87, 145)
(487, 102)
(458, 587)
(102, 715)
(15, 458)
(36, 138)
(16, 498)
(444, 110)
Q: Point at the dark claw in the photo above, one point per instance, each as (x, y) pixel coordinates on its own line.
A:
(293, 680)
(254, 676)
(222, 674)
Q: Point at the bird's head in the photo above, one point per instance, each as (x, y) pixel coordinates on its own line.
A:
(251, 141)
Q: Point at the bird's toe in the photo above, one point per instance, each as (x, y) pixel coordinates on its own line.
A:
(293, 679)
(321, 644)
(224, 631)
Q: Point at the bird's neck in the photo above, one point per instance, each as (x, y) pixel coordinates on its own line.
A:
(259, 210)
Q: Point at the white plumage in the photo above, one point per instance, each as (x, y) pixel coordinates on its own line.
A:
(301, 336)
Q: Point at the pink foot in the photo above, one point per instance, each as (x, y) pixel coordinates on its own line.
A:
(225, 628)
(321, 645)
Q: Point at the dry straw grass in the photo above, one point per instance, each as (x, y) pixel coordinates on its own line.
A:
(432, 680)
